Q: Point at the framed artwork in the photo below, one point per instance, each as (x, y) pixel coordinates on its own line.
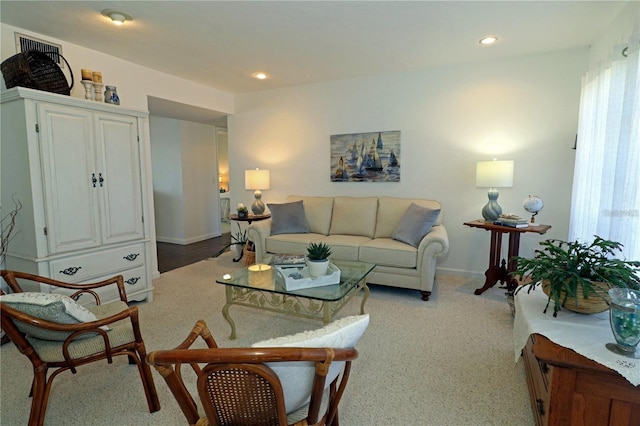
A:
(366, 157)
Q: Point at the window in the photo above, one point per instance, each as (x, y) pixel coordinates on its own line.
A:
(606, 183)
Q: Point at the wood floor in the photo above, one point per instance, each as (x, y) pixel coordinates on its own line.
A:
(173, 256)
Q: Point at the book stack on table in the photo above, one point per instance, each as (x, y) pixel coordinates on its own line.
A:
(511, 221)
(286, 259)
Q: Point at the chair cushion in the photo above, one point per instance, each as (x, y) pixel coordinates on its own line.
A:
(288, 218)
(121, 333)
(297, 377)
(57, 308)
(415, 224)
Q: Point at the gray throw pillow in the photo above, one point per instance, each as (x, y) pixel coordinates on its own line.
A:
(415, 224)
(288, 218)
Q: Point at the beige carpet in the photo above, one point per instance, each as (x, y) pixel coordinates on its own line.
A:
(448, 361)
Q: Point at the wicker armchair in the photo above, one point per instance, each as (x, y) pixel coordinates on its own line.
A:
(115, 332)
(237, 387)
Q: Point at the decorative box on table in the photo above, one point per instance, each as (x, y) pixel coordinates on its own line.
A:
(298, 278)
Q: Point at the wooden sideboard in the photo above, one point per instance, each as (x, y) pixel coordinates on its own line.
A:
(568, 389)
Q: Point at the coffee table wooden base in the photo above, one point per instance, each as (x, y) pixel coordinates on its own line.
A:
(294, 305)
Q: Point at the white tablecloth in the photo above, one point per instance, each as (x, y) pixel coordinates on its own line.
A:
(585, 334)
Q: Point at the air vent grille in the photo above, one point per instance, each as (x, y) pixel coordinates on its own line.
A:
(24, 43)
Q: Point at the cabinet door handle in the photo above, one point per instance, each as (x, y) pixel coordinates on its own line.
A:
(100, 179)
(540, 405)
(131, 257)
(544, 367)
(132, 280)
(93, 179)
(71, 270)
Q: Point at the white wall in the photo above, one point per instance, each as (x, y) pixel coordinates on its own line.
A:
(185, 181)
(167, 179)
(524, 109)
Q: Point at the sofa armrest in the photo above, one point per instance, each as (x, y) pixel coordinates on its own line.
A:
(258, 233)
(434, 244)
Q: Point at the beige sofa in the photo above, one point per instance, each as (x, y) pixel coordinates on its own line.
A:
(362, 228)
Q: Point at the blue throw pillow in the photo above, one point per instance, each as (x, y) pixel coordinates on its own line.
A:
(288, 218)
(415, 224)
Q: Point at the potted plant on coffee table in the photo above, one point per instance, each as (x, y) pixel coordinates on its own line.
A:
(318, 259)
(577, 275)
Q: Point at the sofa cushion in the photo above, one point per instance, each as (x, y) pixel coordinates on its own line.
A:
(297, 377)
(57, 308)
(288, 218)
(391, 210)
(354, 216)
(389, 252)
(290, 243)
(345, 247)
(415, 224)
(318, 212)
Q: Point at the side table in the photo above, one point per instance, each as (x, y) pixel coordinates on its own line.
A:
(499, 269)
(249, 218)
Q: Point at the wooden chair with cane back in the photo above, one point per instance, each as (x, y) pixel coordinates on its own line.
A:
(55, 332)
(238, 386)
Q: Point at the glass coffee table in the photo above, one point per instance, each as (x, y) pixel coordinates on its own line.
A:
(256, 288)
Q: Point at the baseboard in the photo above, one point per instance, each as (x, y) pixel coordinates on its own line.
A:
(460, 272)
(183, 241)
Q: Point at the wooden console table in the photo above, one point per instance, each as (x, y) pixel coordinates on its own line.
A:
(568, 389)
(499, 269)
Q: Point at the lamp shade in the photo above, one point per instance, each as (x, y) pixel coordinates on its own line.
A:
(494, 174)
(256, 179)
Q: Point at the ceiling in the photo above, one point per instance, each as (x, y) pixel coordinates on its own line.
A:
(222, 43)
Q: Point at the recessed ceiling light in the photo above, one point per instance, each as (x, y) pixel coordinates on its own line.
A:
(117, 17)
(260, 75)
(488, 40)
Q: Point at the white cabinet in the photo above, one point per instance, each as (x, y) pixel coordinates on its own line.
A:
(77, 167)
(91, 173)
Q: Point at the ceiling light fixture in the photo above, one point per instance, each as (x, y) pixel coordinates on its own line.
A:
(116, 17)
(488, 40)
(260, 75)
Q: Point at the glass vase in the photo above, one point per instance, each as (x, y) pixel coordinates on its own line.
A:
(624, 316)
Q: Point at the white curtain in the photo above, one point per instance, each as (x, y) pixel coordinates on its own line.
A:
(606, 182)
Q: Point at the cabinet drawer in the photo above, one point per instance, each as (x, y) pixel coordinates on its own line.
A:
(135, 280)
(80, 268)
(538, 379)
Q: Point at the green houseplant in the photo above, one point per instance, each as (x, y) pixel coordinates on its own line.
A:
(571, 272)
(318, 258)
(238, 240)
(242, 211)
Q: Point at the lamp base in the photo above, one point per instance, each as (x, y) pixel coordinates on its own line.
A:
(258, 206)
(492, 210)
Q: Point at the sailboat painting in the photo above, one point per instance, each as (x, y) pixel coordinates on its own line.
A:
(366, 157)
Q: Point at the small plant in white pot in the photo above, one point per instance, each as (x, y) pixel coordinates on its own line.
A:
(318, 259)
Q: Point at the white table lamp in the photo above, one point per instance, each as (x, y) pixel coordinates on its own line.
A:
(258, 180)
(493, 174)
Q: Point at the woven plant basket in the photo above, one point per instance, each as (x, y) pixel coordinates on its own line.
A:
(36, 70)
(596, 303)
(249, 256)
